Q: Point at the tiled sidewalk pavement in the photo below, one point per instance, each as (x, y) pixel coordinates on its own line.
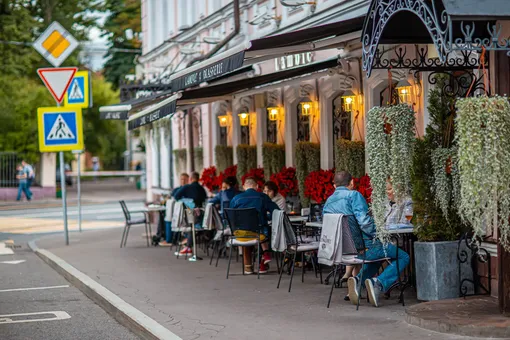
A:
(195, 301)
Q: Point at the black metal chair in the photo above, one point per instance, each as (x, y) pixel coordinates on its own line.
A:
(130, 222)
(293, 249)
(353, 251)
(243, 220)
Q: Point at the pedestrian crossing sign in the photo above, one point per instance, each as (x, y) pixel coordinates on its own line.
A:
(79, 92)
(60, 129)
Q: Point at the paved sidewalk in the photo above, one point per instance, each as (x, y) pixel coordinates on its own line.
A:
(195, 301)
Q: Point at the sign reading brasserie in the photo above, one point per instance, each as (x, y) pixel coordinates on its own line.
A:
(152, 116)
(209, 72)
(290, 61)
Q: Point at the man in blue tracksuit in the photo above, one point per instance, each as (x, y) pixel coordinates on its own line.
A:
(251, 198)
(350, 202)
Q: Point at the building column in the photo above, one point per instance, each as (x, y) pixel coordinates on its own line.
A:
(326, 126)
(148, 165)
(290, 108)
(235, 127)
(261, 128)
(47, 170)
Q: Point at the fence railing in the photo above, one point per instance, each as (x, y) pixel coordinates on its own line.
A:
(8, 163)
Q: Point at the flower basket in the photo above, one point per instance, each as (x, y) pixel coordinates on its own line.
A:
(287, 181)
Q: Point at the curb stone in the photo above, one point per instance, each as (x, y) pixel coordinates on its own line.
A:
(128, 316)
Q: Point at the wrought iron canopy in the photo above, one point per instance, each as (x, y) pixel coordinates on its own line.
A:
(450, 25)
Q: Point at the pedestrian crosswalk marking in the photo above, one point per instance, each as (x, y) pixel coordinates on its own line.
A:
(76, 92)
(60, 130)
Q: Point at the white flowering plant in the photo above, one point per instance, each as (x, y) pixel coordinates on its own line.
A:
(482, 133)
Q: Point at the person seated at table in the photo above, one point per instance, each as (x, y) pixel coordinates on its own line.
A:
(184, 180)
(228, 191)
(350, 202)
(197, 193)
(251, 198)
(271, 190)
(396, 212)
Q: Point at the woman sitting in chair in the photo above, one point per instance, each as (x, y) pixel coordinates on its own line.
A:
(271, 190)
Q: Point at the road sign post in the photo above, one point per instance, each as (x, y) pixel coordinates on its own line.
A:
(64, 195)
(78, 152)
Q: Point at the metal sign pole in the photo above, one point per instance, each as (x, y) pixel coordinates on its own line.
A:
(79, 191)
(64, 195)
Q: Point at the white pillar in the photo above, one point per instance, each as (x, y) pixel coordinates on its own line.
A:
(326, 132)
(164, 156)
(48, 169)
(261, 135)
(148, 165)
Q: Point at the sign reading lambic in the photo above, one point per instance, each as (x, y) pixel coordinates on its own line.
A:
(210, 72)
(165, 108)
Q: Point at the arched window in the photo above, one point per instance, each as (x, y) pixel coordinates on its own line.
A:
(303, 122)
(272, 129)
(342, 114)
(389, 96)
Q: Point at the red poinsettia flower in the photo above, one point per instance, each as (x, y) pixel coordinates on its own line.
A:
(229, 172)
(258, 175)
(209, 179)
(319, 185)
(286, 181)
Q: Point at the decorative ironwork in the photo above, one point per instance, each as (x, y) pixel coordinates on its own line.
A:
(495, 42)
(341, 121)
(421, 62)
(437, 23)
(470, 252)
(271, 130)
(440, 26)
(303, 125)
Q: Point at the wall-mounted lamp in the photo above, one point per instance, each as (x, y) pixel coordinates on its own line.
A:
(244, 119)
(306, 108)
(223, 121)
(273, 113)
(404, 92)
(348, 100)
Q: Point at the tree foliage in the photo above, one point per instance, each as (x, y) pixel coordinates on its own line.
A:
(124, 15)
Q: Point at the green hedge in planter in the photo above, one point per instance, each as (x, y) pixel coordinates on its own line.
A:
(199, 159)
(224, 157)
(307, 160)
(180, 159)
(350, 156)
(246, 159)
(273, 158)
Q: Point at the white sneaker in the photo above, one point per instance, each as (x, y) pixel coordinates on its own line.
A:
(374, 290)
(352, 286)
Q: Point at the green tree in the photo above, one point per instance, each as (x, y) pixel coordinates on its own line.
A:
(124, 15)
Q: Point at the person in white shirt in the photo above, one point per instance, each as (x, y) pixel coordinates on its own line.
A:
(271, 190)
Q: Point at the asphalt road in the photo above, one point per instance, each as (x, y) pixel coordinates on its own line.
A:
(31, 286)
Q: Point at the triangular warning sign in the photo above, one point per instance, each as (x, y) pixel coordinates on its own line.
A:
(57, 80)
(76, 92)
(60, 130)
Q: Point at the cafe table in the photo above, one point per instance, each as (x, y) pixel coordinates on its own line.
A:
(161, 222)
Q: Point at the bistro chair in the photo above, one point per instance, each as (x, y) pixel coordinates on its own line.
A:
(353, 252)
(130, 222)
(293, 246)
(243, 220)
(179, 225)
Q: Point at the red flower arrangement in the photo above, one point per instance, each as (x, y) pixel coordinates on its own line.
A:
(258, 175)
(319, 185)
(228, 172)
(286, 181)
(209, 179)
(362, 185)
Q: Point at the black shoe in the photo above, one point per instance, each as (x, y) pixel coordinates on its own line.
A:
(346, 298)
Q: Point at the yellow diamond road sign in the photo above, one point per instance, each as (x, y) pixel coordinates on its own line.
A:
(55, 44)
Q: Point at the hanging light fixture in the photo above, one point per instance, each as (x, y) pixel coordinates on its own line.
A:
(306, 108)
(223, 121)
(273, 113)
(348, 100)
(244, 119)
(404, 92)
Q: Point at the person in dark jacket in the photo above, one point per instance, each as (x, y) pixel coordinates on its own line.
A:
(195, 192)
(184, 181)
(251, 198)
(227, 193)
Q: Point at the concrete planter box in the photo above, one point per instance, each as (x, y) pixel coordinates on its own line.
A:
(437, 270)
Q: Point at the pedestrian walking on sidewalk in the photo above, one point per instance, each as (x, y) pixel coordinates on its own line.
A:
(29, 171)
(22, 183)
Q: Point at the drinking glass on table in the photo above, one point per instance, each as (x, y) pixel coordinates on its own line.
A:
(408, 213)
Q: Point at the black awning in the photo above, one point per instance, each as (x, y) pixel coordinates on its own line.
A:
(121, 111)
(240, 85)
(302, 40)
(163, 109)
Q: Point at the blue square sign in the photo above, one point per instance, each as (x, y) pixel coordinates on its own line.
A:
(60, 129)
